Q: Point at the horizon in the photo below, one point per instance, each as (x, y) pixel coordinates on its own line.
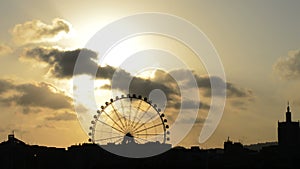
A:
(88, 142)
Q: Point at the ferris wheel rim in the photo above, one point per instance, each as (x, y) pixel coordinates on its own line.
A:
(120, 125)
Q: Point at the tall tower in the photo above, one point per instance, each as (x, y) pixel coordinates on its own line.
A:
(288, 131)
(288, 114)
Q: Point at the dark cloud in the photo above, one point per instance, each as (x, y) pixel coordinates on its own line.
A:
(193, 121)
(231, 89)
(66, 116)
(145, 86)
(190, 104)
(45, 125)
(181, 75)
(107, 72)
(5, 85)
(62, 63)
(239, 104)
(125, 82)
(170, 87)
(41, 95)
(288, 67)
(234, 91)
(37, 31)
(30, 95)
(204, 82)
(27, 109)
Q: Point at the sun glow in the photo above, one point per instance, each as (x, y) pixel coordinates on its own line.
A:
(128, 48)
(148, 73)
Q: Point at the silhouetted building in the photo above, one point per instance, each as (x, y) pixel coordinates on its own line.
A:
(233, 147)
(15, 154)
(11, 139)
(288, 131)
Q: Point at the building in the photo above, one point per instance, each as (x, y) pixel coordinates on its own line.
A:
(233, 147)
(11, 139)
(288, 131)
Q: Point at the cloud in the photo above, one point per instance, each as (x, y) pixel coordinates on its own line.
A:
(29, 95)
(163, 82)
(45, 125)
(28, 109)
(234, 91)
(61, 63)
(5, 85)
(41, 95)
(198, 120)
(170, 87)
(190, 104)
(37, 31)
(288, 67)
(4, 49)
(66, 116)
(239, 104)
(204, 82)
(125, 82)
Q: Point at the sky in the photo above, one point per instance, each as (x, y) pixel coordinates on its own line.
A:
(258, 43)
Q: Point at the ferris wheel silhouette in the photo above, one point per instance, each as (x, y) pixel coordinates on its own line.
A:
(129, 119)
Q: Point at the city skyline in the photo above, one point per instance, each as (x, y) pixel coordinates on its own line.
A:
(258, 44)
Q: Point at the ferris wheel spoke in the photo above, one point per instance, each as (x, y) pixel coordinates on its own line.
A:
(122, 107)
(142, 116)
(102, 131)
(130, 106)
(150, 134)
(136, 113)
(122, 129)
(133, 117)
(117, 114)
(147, 128)
(111, 126)
(145, 122)
(141, 139)
(103, 139)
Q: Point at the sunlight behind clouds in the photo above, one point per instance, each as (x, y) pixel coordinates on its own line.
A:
(136, 45)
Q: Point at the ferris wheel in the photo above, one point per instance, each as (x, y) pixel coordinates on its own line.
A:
(127, 120)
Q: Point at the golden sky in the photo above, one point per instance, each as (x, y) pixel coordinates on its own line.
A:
(257, 41)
